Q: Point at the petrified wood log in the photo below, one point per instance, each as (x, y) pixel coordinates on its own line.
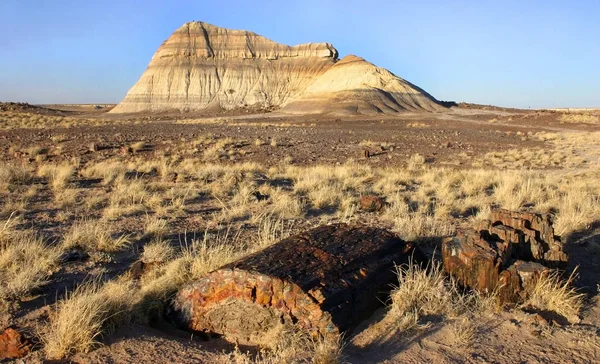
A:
(532, 235)
(325, 280)
(504, 254)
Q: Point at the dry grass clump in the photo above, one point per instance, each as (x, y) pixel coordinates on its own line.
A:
(84, 315)
(156, 228)
(58, 175)
(158, 251)
(139, 146)
(127, 198)
(289, 345)
(531, 158)
(423, 296)
(25, 261)
(422, 292)
(269, 231)
(580, 118)
(12, 174)
(213, 251)
(108, 171)
(463, 332)
(417, 125)
(416, 161)
(31, 120)
(93, 235)
(285, 205)
(416, 225)
(551, 293)
(327, 186)
(218, 150)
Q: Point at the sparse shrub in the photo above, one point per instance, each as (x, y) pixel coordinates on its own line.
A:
(93, 236)
(157, 251)
(139, 146)
(108, 171)
(551, 293)
(58, 175)
(156, 228)
(422, 291)
(26, 261)
(86, 314)
(415, 162)
(580, 118)
(11, 174)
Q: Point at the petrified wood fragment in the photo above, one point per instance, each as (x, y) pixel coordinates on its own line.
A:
(13, 345)
(531, 233)
(325, 280)
(372, 203)
(504, 254)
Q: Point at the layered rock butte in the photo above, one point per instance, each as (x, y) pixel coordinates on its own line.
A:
(202, 67)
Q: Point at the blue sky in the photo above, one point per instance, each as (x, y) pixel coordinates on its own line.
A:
(509, 53)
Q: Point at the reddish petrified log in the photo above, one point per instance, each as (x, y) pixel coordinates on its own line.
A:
(372, 203)
(531, 234)
(504, 254)
(13, 345)
(326, 280)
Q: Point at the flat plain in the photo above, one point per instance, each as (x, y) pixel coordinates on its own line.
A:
(86, 195)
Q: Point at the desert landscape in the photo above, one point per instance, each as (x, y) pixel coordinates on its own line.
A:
(253, 202)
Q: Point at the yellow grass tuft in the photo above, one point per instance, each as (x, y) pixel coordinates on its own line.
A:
(158, 251)
(58, 175)
(551, 293)
(26, 261)
(93, 235)
(84, 315)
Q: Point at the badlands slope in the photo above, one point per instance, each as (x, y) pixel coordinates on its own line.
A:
(203, 67)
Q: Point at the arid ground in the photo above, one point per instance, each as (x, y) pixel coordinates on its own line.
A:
(86, 195)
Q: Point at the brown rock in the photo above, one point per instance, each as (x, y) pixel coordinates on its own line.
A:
(13, 345)
(531, 233)
(473, 260)
(326, 280)
(505, 254)
(372, 203)
(126, 150)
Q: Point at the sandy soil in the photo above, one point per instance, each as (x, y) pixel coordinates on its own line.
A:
(452, 139)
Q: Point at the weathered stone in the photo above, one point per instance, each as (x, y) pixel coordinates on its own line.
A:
(326, 280)
(473, 260)
(531, 233)
(504, 254)
(516, 282)
(372, 203)
(13, 345)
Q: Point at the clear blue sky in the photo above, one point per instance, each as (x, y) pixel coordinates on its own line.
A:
(509, 53)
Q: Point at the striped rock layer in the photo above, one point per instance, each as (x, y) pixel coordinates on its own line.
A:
(202, 67)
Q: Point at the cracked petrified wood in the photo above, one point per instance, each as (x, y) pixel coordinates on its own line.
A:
(504, 254)
(13, 345)
(325, 280)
